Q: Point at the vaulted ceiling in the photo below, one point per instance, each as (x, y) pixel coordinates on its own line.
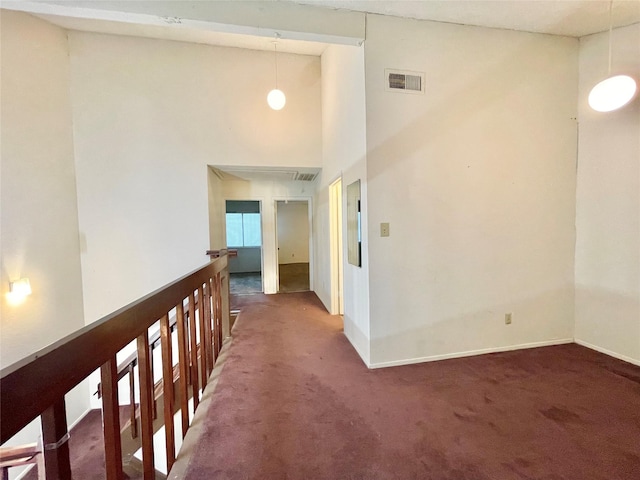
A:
(573, 18)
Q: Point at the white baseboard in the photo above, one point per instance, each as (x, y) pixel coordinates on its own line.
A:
(470, 353)
(79, 419)
(358, 351)
(619, 356)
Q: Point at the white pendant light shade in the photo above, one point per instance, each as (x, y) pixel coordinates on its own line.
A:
(612, 93)
(276, 99)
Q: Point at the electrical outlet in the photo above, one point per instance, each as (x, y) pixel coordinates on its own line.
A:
(507, 318)
(384, 229)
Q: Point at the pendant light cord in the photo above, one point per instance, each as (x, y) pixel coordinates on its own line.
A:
(275, 51)
(610, 29)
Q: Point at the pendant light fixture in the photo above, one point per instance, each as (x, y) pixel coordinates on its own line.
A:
(276, 98)
(615, 91)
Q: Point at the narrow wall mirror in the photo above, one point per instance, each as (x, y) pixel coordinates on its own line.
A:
(354, 243)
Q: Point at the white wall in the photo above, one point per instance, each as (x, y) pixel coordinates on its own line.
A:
(343, 154)
(477, 180)
(248, 260)
(267, 193)
(149, 116)
(608, 205)
(293, 232)
(39, 220)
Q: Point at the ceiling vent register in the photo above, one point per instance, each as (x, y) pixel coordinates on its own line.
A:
(306, 177)
(404, 81)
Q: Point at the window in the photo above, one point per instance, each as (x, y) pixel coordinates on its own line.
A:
(243, 230)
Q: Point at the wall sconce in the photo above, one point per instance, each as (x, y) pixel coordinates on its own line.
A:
(19, 290)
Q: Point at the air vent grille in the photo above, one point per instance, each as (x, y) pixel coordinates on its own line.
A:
(404, 81)
(306, 177)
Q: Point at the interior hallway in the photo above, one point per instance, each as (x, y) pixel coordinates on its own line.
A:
(295, 401)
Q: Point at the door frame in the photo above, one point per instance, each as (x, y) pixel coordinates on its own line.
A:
(336, 252)
(224, 232)
(309, 200)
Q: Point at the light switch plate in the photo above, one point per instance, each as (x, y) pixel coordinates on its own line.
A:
(384, 229)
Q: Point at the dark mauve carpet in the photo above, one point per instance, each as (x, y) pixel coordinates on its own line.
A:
(294, 401)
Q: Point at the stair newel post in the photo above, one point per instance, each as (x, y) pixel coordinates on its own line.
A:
(146, 405)
(111, 420)
(194, 351)
(55, 439)
(183, 362)
(167, 389)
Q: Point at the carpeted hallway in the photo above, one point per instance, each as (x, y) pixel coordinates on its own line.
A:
(294, 401)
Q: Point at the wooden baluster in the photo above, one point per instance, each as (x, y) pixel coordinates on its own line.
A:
(214, 318)
(194, 351)
(146, 405)
(183, 361)
(167, 389)
(212, 305)
(206, 337)
(212, 315)
(218, 313)
(55, 439)
(203, 342)
(132, 401)
(111, 420)
(226, 327)
(153, 396)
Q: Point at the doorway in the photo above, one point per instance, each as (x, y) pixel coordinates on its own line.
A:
(335, 247)
(293, 236)
(243, 222)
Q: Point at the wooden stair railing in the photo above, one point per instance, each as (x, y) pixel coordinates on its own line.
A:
(17, 456)
(36, 385)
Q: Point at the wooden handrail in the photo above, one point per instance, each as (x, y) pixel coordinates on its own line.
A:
(37, 384)
(217, 253)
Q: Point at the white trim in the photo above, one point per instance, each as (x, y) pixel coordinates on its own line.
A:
(335, 247)
(27, 469)
(358, 351)
(471, 353)
(294, 198)
(277, 244)
(81, 417)
(619, 356)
